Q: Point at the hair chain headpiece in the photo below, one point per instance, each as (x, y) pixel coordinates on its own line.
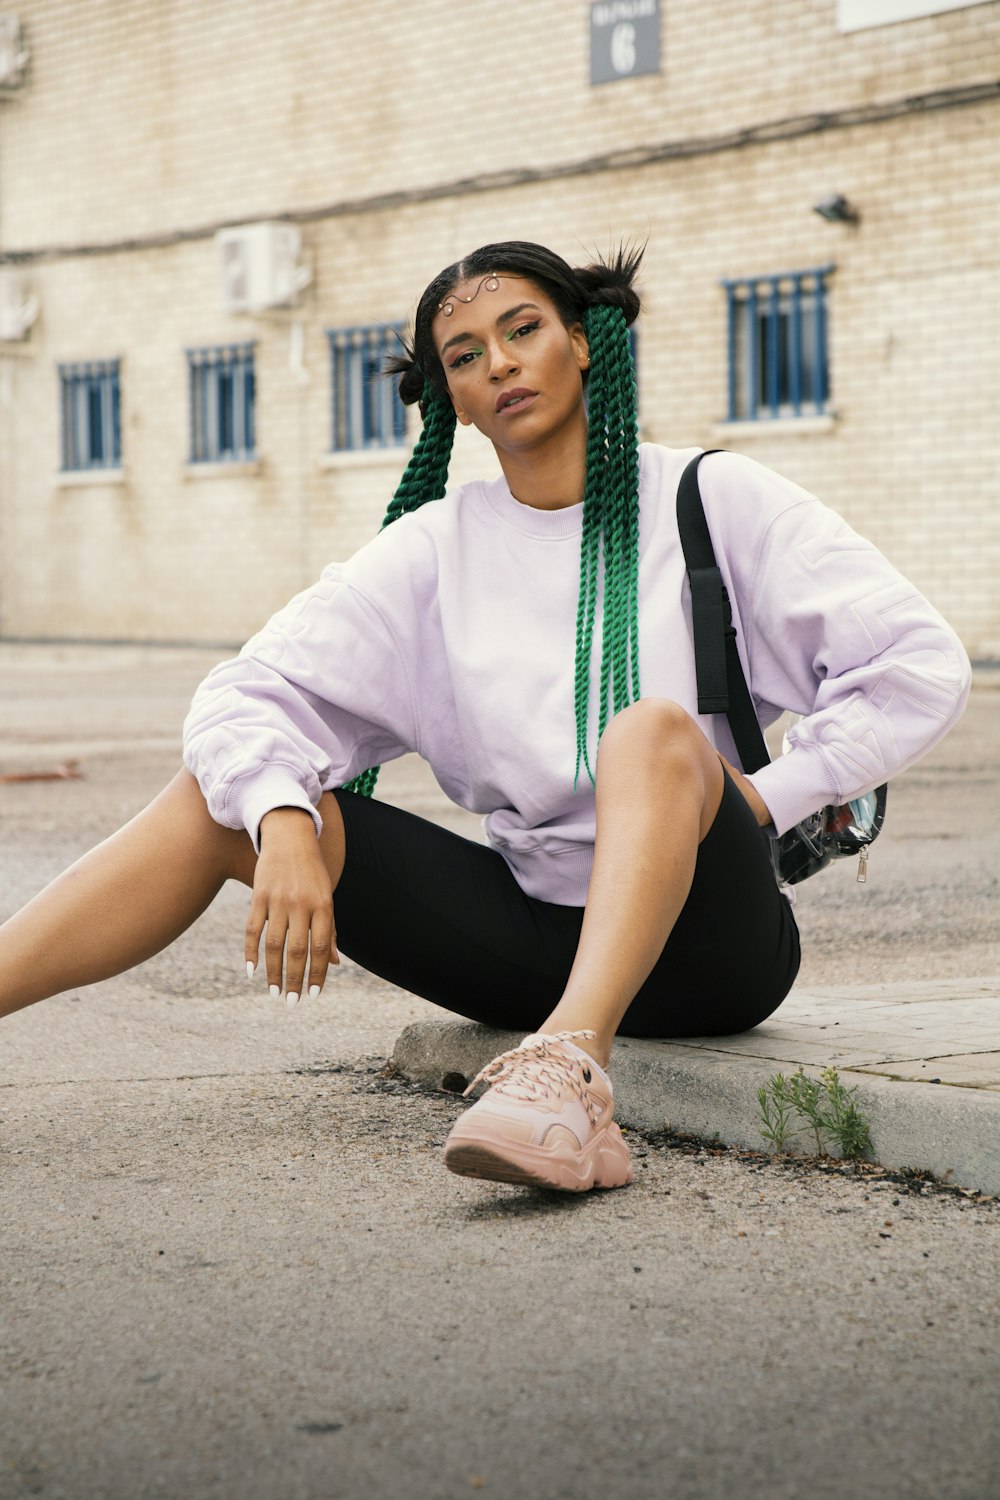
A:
(447, 307)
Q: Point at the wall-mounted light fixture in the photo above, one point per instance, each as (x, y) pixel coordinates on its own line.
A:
(836, 209)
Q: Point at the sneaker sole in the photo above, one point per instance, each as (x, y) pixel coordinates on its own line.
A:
(605, 1165)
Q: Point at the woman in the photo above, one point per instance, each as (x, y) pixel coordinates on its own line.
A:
(627, 883)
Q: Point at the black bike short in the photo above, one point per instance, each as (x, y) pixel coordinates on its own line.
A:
(443, 917)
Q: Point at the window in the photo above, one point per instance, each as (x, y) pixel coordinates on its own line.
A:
(366, 410)
(777, 345)
(222, 392)
(91, 415)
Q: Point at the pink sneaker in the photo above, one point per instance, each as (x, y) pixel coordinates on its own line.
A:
(546, 1120)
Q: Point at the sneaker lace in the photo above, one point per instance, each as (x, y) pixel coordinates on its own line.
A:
(548, 1073)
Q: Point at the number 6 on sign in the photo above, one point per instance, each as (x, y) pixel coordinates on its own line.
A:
(623, 48)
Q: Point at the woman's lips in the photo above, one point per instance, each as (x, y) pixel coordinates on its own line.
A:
(515, 400)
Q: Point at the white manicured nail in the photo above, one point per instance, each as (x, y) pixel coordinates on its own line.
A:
(314, 992)
(274, 992)
(250, 969)
(292, 999)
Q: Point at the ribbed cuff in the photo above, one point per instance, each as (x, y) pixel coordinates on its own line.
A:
(793, 787)
(272, 787)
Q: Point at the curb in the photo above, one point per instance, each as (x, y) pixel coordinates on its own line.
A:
(946, 1129)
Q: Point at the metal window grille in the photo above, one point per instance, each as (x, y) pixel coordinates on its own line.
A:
(90, 401)
(777, 338)
(366, 409)
(222, 400)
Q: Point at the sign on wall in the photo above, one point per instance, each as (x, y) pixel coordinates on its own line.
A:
(624, 39)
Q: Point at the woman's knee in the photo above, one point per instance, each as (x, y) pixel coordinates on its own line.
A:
(659, 724)
(656, 744)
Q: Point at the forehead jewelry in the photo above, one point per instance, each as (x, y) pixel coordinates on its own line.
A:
(447, 307)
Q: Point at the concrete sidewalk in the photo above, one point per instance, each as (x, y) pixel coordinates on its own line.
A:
(234, 1266)
(924, 1059)
(923, 1054)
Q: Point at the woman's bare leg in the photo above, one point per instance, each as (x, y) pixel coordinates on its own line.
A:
(133, 895)
(659, 786)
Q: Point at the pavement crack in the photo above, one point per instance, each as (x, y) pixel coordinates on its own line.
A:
(52, 1083)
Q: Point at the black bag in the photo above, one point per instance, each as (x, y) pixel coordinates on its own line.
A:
(829, 834)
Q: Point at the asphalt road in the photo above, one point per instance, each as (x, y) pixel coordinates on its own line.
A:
(231, 1264)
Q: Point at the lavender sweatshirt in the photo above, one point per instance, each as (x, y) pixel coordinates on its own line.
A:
(452, 634)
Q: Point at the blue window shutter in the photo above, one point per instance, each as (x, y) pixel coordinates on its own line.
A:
(776, 338)
(222, 404)
(365, 409)
(90, 415)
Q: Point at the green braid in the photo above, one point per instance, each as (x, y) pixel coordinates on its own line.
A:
(611, 513)
(426, 475)
(424, 478)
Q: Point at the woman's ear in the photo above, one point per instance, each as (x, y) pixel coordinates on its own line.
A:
(580, 346)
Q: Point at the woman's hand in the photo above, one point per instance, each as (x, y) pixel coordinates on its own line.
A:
(293, 899)
(751, 796)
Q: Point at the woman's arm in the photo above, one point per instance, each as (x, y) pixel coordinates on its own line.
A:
(832, 631)
(321, 693)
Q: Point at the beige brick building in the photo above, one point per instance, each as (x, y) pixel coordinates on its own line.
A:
(395, 136)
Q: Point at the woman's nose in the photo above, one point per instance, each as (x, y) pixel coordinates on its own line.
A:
(502, 362)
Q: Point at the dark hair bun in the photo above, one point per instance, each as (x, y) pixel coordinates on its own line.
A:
(411, 378)
(609, 284)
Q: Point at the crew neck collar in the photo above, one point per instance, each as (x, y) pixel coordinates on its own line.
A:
(528, 519)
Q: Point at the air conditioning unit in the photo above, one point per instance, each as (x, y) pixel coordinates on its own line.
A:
(259, 266)
(18, 307)
(13, 54)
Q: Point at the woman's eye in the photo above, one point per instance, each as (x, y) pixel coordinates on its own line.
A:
(462, 359)
(525, 328)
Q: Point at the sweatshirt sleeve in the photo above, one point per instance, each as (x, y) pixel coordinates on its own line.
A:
(833, 632)
(318, 695)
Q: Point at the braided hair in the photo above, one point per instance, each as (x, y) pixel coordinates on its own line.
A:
(602, 298)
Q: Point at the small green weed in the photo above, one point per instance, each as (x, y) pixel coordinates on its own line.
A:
(795, 1105)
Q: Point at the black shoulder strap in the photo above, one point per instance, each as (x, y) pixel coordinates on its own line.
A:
(722, 687)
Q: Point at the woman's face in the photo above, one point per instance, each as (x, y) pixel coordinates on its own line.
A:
(512, 365)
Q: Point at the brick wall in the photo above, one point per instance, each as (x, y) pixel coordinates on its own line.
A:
(166, 113)
(163, 120)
